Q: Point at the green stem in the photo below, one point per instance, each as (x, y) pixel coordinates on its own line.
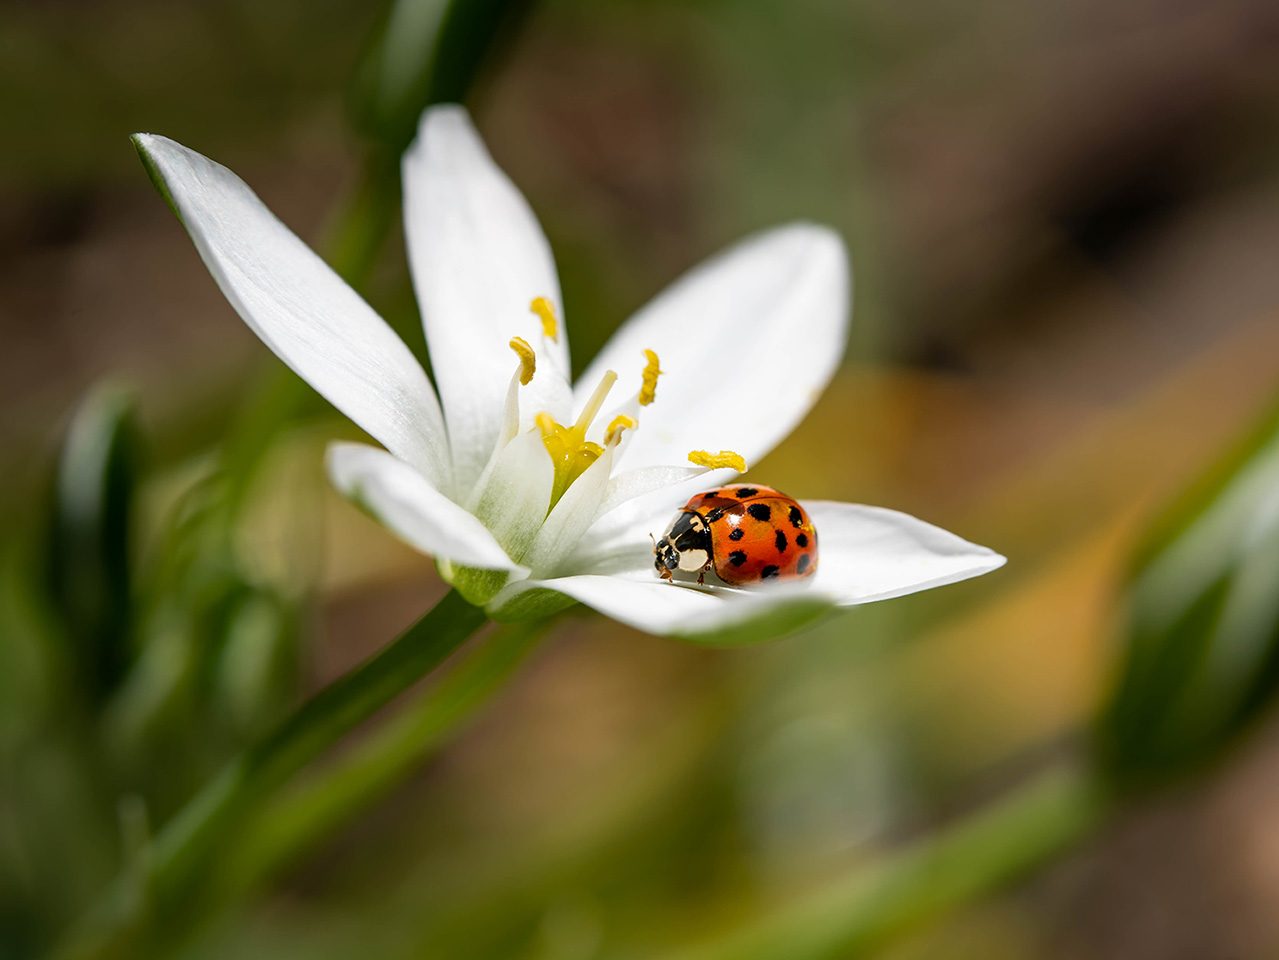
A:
(186, 847)
(359, 229)
(294, 822)
(977, 857)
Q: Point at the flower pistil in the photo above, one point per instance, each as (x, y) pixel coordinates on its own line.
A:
(571, 453)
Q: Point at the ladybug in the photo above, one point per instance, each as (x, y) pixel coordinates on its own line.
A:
(745, 533)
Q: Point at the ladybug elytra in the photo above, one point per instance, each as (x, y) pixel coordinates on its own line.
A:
(744, 533)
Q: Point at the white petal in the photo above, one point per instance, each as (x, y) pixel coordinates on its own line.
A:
(871, 553)
(402, 500)
(300, 308)
(571, 517)
(747, 342)
(620, 543)
(512, 497)
(654, 606)
(642, 481)
(478, 259)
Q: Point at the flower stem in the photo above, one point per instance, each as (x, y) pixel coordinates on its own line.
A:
(159, 886)
(303, 815)
(853, 916)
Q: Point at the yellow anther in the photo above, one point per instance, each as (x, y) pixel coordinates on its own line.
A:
(620, 423)
(648, 386)
(528, 359)
(714, 461)
(545, 311)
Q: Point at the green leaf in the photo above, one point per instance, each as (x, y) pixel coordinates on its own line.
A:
(1200, 656)
(89, 539)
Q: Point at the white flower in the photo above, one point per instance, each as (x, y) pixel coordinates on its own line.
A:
(532, 493)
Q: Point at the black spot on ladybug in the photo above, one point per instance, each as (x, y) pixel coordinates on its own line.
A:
(802, 540)
(804, 562)
(714, 514)
(759, 511)
(737, 533)
(796, 517)
(780, 540)
(745, 493)
(737, 558)
(768, 571)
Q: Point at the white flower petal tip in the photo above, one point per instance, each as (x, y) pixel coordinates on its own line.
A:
(873, 553)
(299, 307)
(403, 501)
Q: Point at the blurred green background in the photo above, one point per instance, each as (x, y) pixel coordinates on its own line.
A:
(1063, 222)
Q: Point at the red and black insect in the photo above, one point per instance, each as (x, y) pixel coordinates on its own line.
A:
(746, 534)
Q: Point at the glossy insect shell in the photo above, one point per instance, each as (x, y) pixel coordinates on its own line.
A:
(757, 534)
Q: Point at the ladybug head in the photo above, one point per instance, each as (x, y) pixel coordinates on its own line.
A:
(685, 547)
(665, 558)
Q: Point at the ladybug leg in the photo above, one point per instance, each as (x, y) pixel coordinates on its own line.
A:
(701, 579)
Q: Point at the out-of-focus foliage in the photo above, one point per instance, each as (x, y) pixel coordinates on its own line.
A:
(133, 661)
(1200, 654)
(89, 540)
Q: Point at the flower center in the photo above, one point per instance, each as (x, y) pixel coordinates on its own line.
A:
(571, 453)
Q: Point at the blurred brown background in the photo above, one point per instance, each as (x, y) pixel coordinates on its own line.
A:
(1064, 222)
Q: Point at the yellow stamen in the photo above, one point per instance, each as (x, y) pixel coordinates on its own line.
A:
(620, 423)
(725, 458)
(571, 453)
(545, 311)
(528, 359)
(593, 405)
(648, 388)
